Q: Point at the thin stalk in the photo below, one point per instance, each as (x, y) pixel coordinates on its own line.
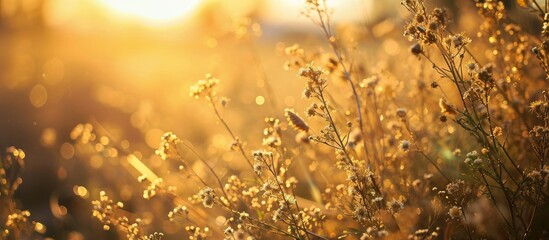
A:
(239, 145)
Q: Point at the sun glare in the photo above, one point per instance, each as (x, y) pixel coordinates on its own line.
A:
(155, 11)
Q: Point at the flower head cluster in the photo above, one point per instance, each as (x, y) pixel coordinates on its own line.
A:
(395, 206)
(104, 210)
(17, 220)
(155, 236)
(458, 188)
(168, 146)
(404, 145)
(473, 159)
(152, 189)
(425, 27)
(178, 212)
(315, 80)
(271, 133)
(454, 212)
(208, 197)
(204, 87)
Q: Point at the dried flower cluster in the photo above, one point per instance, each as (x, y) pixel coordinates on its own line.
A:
(450, 139)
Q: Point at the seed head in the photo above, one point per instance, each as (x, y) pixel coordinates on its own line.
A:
(446, 108)
(416, 49)
(404, 145)
(454, 212)
(296, 121)
(401, 112)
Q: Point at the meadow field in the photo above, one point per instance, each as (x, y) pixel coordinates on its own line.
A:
(274, 119)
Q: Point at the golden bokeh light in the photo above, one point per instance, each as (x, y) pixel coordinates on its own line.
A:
(38, 96)
(153, 11)
(40, 228)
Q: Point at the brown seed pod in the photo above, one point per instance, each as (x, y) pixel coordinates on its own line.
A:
(446, 108)
(296, 121)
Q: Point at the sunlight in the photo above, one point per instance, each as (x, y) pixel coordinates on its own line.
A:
(289, 11)
(154, 11)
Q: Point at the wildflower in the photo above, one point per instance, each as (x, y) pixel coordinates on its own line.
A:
(228, 231)
(472, 154)
(382, 234)
(17, 219)
(404, 145)
(224, 101)
(179, 211)
(291, 182)
(419, 18)
(472, 67)
(454, 212)
(168, 146)
(290, 199)
(538, 106)
(459, 40)
(534, 176)
(446, 108)
(433, 26)
(485, 74)
(477, 161)
(498, 131)
(395, 206)
(204, 87)
(401, 112)
(272, 141)
(307, 93)
(416, 49)
(311, 72)
(360, 213)
(258, 154)
(355, 136)
(452, 188)
(538, 131)
(294, 50)
(440, 16)
(443, 118)
(150, 192)
(371, 82)
(155, 236)
(277, 214)
(430, 37)
(141, 178)
(208, 197)
(258, 168)
(472, 158)
(377, 200)
(312, 110)
(243, 215)
(236, 144)
(314, 77)
(411, 30)
(535, 50)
